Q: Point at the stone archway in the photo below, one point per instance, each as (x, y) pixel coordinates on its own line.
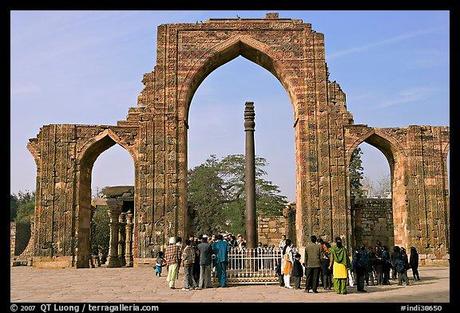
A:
(91, 150)
(251, 49)
(155, 134)
(290, 50)
(395, 155)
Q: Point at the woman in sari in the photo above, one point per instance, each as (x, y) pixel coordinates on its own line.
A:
(339, 263)
(286, 263)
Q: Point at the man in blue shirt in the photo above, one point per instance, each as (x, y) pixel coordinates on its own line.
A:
(220, 249)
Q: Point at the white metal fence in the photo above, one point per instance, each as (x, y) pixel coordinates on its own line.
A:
(252, 266)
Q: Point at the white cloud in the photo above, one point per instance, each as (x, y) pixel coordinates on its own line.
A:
(408, 95)
(384, 42)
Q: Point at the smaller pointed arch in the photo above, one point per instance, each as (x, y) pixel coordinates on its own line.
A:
(379, 139)
(94, 146)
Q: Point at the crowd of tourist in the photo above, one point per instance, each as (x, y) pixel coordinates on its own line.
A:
(197, 257)
(323, 264)
(332, 265)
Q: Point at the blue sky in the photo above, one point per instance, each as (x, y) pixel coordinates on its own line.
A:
(86, 67)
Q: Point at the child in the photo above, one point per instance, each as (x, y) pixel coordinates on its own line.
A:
(159, 264)
(297, 271)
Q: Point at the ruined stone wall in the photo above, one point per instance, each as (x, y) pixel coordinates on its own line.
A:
(427, 148)
(294, 53)
(270, 229)
(372, 221)
(12, 239)
(155, 134)
(64, 156)
(417, 156)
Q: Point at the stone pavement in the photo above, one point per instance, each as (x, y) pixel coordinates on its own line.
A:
(140, 285)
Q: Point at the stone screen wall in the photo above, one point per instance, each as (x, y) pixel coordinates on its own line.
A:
(373, 220)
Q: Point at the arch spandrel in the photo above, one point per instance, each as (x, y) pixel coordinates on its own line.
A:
(96, 145)
(377, 137)
(223, 52)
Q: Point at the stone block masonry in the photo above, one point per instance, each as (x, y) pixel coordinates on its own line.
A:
(155, 134)
(373, 220)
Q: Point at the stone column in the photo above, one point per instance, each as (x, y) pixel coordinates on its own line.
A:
(128, 239)
(114, 212)
(250, 184)
(121, 238)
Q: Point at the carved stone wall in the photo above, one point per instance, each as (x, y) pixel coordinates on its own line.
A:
(155, 134)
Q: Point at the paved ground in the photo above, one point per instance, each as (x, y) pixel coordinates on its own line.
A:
(140, 285)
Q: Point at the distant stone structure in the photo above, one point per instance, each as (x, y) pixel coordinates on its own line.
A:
(155, 135)
(120, 202)
(12, 239)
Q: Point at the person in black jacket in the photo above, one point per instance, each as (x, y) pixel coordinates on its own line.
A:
(413, 262)
(360, 265)
(402, 264)
(297, 271)
(386, 259)
(370, 269)
(378, 263)
(279, 273)
(393, 255)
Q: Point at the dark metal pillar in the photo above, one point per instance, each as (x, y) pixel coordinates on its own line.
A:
(249, 174)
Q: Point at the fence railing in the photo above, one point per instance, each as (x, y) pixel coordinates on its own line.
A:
(252, 266)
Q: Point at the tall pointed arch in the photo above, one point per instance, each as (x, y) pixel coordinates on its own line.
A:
(224, 52)
(90, 151)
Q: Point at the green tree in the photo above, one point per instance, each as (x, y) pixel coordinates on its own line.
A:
(216, 194)
(356, 174)
(206, 197)
(13, 206)
(100, 230)
(22, 207)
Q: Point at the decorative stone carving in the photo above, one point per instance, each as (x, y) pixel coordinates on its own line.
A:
(155, 135)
